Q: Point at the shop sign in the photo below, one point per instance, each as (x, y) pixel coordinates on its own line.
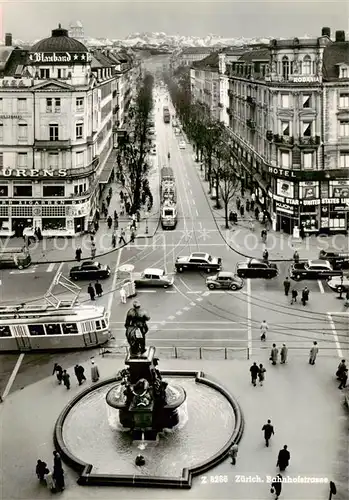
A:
(12, 82)
(282, 172)
(285, 188)
(328, 201)
(311, 202)
(43, 202)
(11, 117)
(306, 79)
(59, 57)
(22, 172)
(283, 207)
(341, 207)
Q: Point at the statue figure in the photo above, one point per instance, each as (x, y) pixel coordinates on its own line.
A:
(141, 393)
(159, 385)
(136, 329)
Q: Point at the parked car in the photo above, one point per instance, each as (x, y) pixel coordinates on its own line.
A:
(90, 270)
(153, 151)
(182, 145)
(337, 259)
(225, 280)
(198, 261)
(338, 283)
(313, 269)
(256, 268)
(153, 277)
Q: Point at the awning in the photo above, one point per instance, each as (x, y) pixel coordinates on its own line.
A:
(108, 168)
(263, 184)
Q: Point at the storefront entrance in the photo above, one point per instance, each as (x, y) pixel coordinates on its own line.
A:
(19, 224)
(286, 223)
(79, 224)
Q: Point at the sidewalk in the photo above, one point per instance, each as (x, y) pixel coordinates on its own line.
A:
(281, 246)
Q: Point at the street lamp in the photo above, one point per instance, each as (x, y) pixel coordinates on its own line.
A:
(341, 288)
(146, 223)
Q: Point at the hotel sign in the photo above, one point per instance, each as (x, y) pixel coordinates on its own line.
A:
(22, 172)
(59, 57)
(282, 172)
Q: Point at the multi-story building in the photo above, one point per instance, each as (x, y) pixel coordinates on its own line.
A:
(56, 145)
(188, 56)
(76, 30)
(289, 127)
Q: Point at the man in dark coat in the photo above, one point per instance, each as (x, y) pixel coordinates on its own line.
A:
(265, 255)
(91, 291)
(276, 486)
(58, 472)
(79, 373)
(305, 295)
(58, 370)
(283, 458)
(99, 289)
(66, 379)
(268, 430)
(254, 370)
(294, 295)
(287, 286)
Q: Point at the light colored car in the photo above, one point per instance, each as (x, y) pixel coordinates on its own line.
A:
(153, 151)
(153, 277)
(182, 145)
(225, 280)
(336, 283)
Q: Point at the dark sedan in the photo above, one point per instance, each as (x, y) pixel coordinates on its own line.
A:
(90, 270)
(255, 268)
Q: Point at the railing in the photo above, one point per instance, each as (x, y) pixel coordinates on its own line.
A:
(62, 144)
(310, 141)
(284, 139)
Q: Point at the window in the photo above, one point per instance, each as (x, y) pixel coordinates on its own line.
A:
(285, 67)
(344, 101)
(3, 191)
(79, 130)
(21, 105)
(308, 190)
(306, 129)
(53, 105)
(79, 104)
(36, 330)
(61, 73)
(306, 66)
(53, 211)
(308, 160)
(52, 190)
(49, 105)
(44, 73)
(1, 131)
(22, 131)
(53, 224)
(285, 101)
(79, 159)
(285, 128)
(53, 329)
(22, 160)
(344, 160)
(344, 73)
(22, 191)
(5, 331)
(70, 328)
(285, 159)
(344, 128)
(306, 101)
(53, 131)
(53, 160)
(57, 105)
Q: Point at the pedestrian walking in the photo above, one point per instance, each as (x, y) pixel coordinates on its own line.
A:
(91, 291)
(294, 295)
(50, 482)
(99, 289)
(233, 453)
(251, 224)
(122, 237)
(283, 354)
(302, 232)
(283, 458)
(122, 208)
(96, 225)
(287, 286)
(58, 370)
(242, 210)
(248, 205)
(254, 373)
(133, 234)
(40, 470)
(113, 240)
(121, 194)
(58, 472)
(276, 486)
(79, 373)
(261, 374)
(116, 224)
(252, 205)
(305, 295)
(109, 222)
(264, 235)
(78, 253)
(296, 257)
(274, 354)
(313, 353)
(66, 379)
(93, 250)
(268, 430)
(92, 238)
(265, 255)
(123, 295)
(94, 372)
(264, 328)
(238, 203)
(343, 379)
(341, 368)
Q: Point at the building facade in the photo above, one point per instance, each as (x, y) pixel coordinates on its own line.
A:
(57, 110)
(289, 128)
(188, 56)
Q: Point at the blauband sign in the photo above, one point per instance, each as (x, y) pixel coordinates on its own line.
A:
(60, 57)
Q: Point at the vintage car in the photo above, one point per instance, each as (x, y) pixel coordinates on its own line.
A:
(313, 269)
(224, 280)
(337, 259)
(198, 261)
(182, 145)
(256, 268)
(338, 283)
(152, 277)
(90, 270)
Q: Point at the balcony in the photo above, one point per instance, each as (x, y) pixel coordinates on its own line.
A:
(251, 124)
(285, 140)
(83, 171)
(251, 100)
(231, 93)
(310, 141)
(52, 145)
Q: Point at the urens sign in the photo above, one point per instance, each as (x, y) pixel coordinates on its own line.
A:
(23, 172)
(59, 57)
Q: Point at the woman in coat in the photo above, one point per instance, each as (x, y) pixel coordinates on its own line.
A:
(94, 372)
(274, 355)
(276, 486)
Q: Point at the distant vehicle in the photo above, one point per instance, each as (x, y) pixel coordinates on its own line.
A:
(177, 131)
(337, 283)
(153, 151)
(313, 269)
(168, 198)
(337, 259)
(198, 261)
(90, 270)
(166, 114)
(224, 280)
(182, 145)
(152, 132)
(152, 277)
(17, 258)
(255, 268)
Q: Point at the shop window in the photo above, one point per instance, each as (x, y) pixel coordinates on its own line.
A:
(344, 128)
(3, 191)
(22, 132)
(53, 329)
(53, 223)
(70, 328)
(22, 160)
(21, 105)
(1, 132)
(308, 190)
(53, 160)
(44, 73)
(306, 101)
(285, 128)
(53, 210)
(308, 161)
(54, 132)
(307, 129)
(344, 101)
(35, 330)
(79, 130)
(22, 191)
(285, 159)
(52, 190)
(4, 223)
(285, 101)
(344, 160)
(306, 66)
(5, 331)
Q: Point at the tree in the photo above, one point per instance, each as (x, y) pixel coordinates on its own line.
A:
(227, 175)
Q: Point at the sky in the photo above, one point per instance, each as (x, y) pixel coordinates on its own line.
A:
(30, 20)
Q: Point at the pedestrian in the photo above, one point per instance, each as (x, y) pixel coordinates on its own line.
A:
(50, 482)
(283, 459)
(99, 289)
(103, 208)
(122, 208)
(261, 374)
(96, 226)
(264, 328)
(123, 295)
(58, 472)
(254, 373)
(251, 224)
(92, 238)
(238, 203)
(265, 255)
(79, 373)
(242, 210)
(341, 368)
(268, 430)
(91, 291)
(231, 217)
(287, 286)
(40, 470)
(343, 379)
(109, 222)
(132, 235)
(274, 354)
(122, 237)
(66, 379)
(93, 250)
(113, 240)
(58, 370)
(127, 207)
(313, 354)
(116, 224)
(296, 257)
(78, 253)
(264, 235)
(121, 194)
(302, 232)
(305, 295)
(276, 486)
(283, 354)
(94, 372)
(294, 294)
(252, 204)
(346, 303)
(233, 453)
(248, 205)
(98, 215)
(108, 200)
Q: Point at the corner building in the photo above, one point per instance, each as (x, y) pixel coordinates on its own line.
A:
(289, 126)
(56, 144)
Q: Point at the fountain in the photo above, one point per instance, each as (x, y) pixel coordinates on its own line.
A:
(158, 433)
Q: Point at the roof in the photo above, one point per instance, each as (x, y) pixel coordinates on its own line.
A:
(210, 62)
(317, 262)
(5, 53)
(152, 270)
(196, 50)
(16, 63)
(334, 54)
(103, 59)
(226, 274)
(60, 41)
(255, 55)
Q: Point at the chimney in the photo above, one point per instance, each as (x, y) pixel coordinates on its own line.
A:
(326, 32)
(340, 36)
(8, 39)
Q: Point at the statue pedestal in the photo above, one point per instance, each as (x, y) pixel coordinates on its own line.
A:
(140, 365)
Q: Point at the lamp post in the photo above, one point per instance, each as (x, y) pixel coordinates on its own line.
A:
(341, 288)
(146, 223)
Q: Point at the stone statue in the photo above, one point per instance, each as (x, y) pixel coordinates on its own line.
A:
(159, 385)
(136, 329)
(141, 393)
